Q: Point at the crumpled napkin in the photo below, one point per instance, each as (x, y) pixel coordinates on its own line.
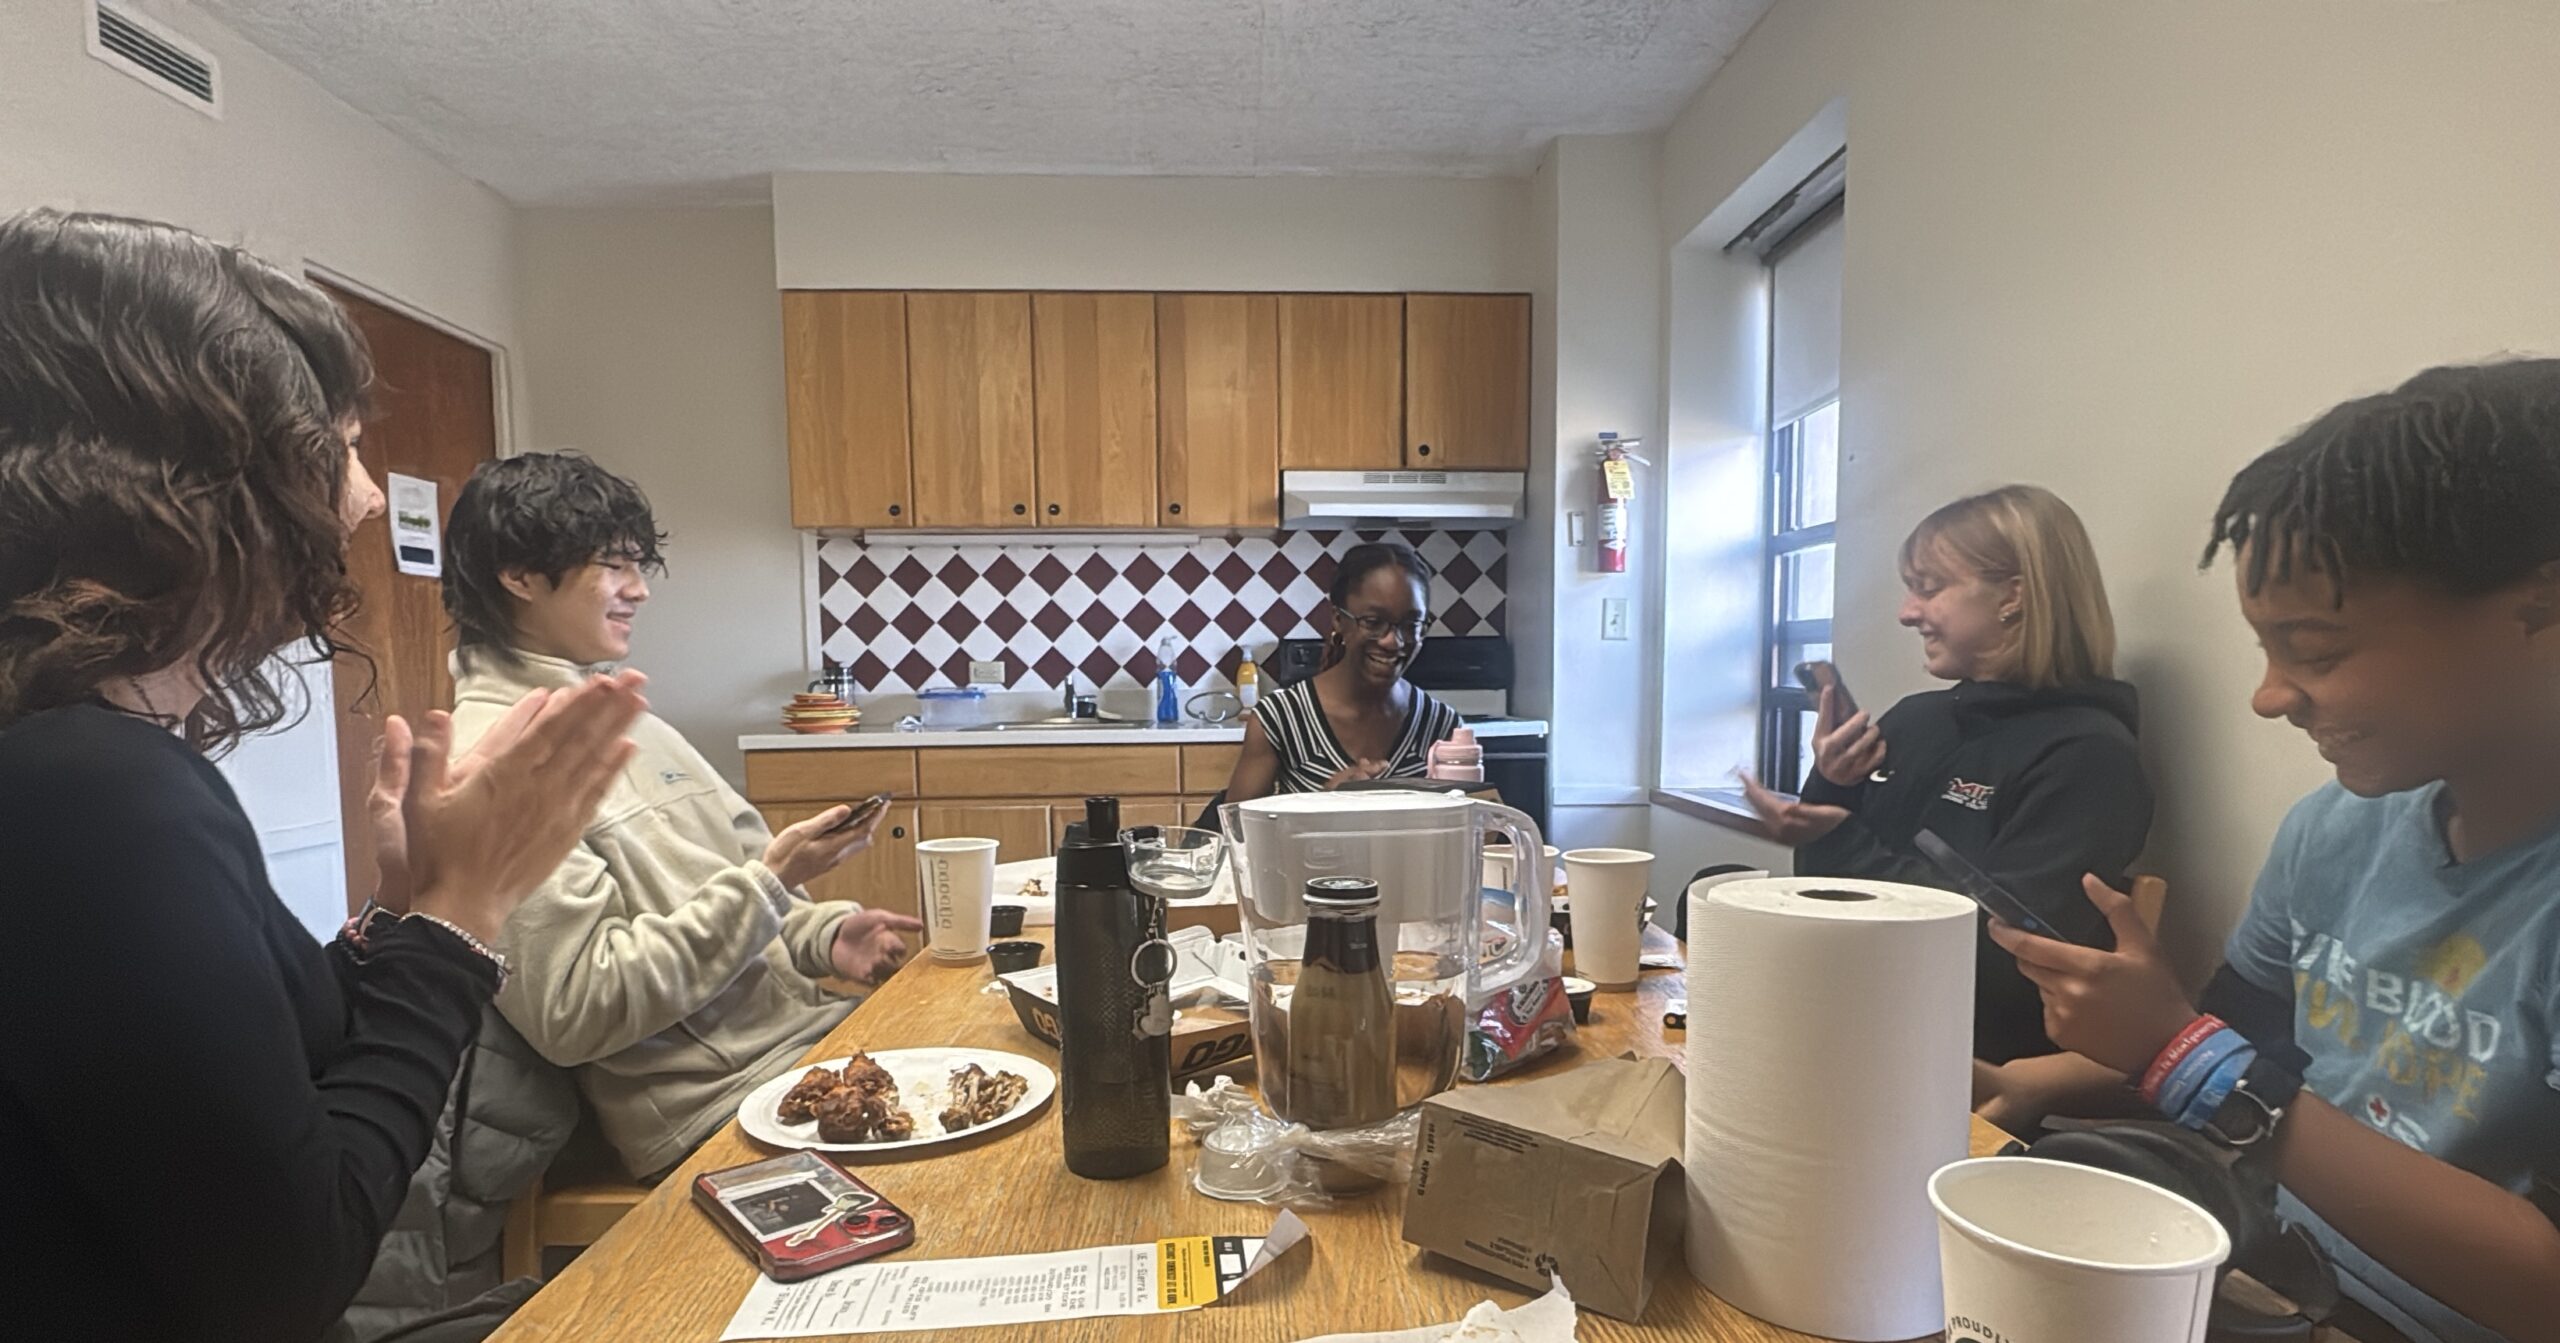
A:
(1549, 1319)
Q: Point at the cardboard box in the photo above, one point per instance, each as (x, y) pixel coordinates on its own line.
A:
(1206, 1040)
(1579, 1173)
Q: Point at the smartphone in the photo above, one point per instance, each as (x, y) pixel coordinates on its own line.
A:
(2081, 924)
(862, 811)
(1817, 677)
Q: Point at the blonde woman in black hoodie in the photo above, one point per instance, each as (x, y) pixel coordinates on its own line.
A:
(2027, 765)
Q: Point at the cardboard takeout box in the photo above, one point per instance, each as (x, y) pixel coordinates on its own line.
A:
(1578, 1172)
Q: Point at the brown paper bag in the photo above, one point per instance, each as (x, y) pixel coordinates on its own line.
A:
(1578, 1172)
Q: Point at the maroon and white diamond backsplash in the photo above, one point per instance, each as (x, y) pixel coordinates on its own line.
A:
(909, 618)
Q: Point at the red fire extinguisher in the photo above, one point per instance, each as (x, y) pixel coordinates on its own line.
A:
(1617, 500)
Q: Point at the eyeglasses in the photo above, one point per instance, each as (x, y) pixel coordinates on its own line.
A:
(1376, 627)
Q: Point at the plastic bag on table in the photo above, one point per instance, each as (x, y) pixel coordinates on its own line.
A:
(1248, 1155)
(1510, 1026)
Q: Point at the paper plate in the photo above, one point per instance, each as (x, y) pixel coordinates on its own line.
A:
(924, 1085)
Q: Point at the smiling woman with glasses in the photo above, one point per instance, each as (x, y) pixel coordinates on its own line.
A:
(1358, 718)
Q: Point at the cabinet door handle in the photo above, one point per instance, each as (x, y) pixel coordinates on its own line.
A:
(897, 832)
(1175, 509)
(1423, 450)
(893, 510)
(1019, 510)
(1053, 510)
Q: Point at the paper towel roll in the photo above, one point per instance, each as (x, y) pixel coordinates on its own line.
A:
(1830, 1072)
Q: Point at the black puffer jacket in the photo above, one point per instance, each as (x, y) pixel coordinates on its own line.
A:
(2036, 787)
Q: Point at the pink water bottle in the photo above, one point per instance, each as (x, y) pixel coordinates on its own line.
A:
(1459, 759)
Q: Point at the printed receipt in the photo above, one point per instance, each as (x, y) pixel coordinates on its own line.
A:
(1184, 1273)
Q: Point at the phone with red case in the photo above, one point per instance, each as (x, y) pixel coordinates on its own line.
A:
(801, 1214)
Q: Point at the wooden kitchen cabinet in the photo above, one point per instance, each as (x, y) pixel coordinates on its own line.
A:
(1341, 381)
(1466, 382)
(970, 408)
(1093, 399)
(844, 379)
(880, 877)
(1218, 422)
(1020, 829)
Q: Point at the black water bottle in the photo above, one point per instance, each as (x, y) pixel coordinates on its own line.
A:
(1115, 1018)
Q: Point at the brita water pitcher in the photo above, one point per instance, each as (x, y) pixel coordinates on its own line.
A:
(1449, 934)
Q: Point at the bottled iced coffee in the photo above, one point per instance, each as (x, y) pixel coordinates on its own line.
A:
(1342, 1032)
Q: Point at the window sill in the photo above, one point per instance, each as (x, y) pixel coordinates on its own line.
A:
(1716, 806)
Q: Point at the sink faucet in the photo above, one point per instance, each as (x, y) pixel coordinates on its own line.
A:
(1067, 701)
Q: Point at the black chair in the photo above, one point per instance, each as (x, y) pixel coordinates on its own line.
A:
(1680, 916)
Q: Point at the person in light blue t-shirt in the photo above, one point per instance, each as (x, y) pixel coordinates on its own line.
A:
(2387, 1026)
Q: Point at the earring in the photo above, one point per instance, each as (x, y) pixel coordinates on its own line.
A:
(2009, 617)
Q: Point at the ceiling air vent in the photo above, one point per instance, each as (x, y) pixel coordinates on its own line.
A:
(150, 52)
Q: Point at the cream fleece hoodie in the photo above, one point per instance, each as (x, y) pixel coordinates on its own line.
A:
(663, 961)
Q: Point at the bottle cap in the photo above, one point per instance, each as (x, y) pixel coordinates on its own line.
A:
(1341, 896)
(1093, 854)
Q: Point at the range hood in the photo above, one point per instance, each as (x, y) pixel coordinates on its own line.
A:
(1442, 500)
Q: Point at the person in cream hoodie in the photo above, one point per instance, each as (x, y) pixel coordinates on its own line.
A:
(672, 961)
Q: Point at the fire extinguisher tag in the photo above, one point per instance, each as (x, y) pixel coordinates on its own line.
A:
(1619, 478)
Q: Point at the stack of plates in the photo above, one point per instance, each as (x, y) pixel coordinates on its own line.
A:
(820, 712)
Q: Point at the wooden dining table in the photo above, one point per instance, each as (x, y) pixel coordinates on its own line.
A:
(666, 1274)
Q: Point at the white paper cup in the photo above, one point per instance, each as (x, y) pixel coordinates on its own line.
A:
(959, 896)
(2035, 1251)
(1608, 888)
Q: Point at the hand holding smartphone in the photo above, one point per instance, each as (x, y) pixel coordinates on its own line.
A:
(1817, 677)
(861, 813)
(2079, 923)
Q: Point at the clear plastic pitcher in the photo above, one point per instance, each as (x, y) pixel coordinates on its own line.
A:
(1449, 934)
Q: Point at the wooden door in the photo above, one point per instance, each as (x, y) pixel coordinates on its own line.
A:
(1218, 427)
(1020, 829)
(880, 877)
(435, 416)
(844, 382)
(1342, 382)
(1466, 380)
(969, 406)
(1094, 406)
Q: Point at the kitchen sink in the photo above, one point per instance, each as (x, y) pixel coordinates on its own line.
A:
(1054, 724)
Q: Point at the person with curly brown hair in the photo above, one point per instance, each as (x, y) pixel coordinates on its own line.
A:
(178, 479)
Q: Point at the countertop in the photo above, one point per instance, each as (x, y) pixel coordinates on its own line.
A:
(1134, 734)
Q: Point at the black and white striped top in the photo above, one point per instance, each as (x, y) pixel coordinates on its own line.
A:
(1310, 755)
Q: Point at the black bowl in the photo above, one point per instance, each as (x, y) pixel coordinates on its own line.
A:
(1004, 921)
(1008, 957)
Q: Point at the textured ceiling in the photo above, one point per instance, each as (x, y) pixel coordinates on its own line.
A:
(553, 101)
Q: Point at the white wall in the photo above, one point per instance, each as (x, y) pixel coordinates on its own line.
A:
(656, 338)
(2118, 250)
(1600, 369)
(948, 231)
(306, 181)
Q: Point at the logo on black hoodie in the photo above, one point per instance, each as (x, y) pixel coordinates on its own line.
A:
(1972, 796)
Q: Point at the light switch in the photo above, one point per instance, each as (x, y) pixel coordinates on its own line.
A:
(987, 673)
(1576, 533)
(1613, 617)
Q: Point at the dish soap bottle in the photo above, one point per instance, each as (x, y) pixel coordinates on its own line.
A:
(1168, 686)
(1248, 681)
(1115, 1015)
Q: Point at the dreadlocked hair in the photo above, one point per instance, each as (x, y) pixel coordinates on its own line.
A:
(2450, 479)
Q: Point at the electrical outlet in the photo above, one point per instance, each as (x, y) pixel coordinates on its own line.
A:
(986, 673)
(1613, 617)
